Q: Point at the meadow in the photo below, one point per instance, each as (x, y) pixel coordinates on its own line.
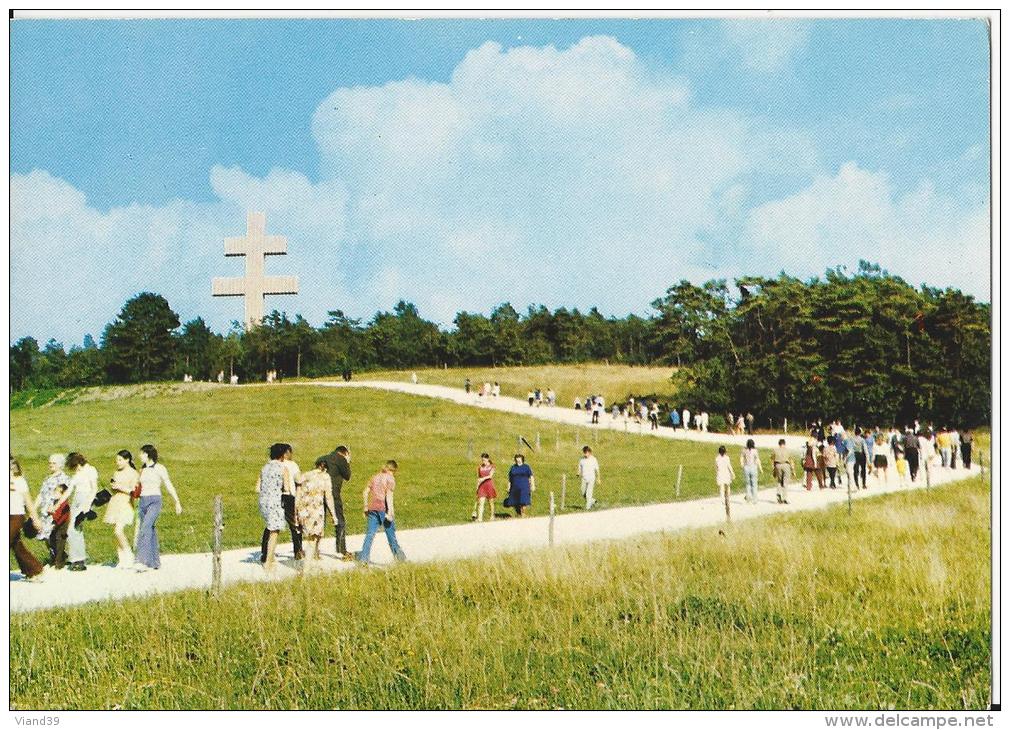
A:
(614, 382)
(214, 439)
(888, 608)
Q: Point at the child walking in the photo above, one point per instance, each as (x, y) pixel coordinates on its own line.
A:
(724, 474)
(485, 489)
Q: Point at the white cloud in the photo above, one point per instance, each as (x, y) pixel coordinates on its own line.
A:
(767, 45)
(922, 236)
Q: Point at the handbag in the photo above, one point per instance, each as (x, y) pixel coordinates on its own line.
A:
(62, 513)
(135, 494)
(29, 528)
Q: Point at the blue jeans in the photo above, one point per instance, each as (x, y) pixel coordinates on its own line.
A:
(750, 481)
(148, 550)
(376, 519)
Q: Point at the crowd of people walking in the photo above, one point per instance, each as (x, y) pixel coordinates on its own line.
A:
(68, 499)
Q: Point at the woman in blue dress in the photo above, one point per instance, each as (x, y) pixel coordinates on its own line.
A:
(521, 485)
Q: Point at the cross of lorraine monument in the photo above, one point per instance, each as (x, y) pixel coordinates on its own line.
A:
(255, 245)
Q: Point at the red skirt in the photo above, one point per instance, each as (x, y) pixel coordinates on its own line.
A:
(486, 489)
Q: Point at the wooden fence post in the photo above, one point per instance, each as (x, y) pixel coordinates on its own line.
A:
(550, 523)
(726, 498)
(848, 487)
(557, 440)
(538, 441)
(928, 483)
(469, 450)
(680, 473)
(564, 489)
(215, 583)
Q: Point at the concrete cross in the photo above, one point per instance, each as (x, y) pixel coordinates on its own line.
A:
(255, 285)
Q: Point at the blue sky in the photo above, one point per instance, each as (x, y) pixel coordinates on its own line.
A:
(463, 163)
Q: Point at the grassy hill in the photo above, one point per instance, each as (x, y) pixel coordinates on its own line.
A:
(214, 439)
(888, 608)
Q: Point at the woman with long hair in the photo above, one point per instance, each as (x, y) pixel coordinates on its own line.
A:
(119, 512)
(22, 507)
(153, 478)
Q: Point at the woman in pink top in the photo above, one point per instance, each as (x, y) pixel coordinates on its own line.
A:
(485, 489)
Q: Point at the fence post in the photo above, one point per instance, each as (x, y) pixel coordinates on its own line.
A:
(596, 436)
(564, 489)
(215, 583)
(848, 487)
(726, 498)
(550, 523)
(538, 441)
(499, 452)
(680, 473)
(519, 444)
(557, 440)
(469, 450)
(928, 484)
(578, 437)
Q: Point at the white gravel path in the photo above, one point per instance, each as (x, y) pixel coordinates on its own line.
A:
(193, 570)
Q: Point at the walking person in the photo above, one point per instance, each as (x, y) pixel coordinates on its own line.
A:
(750, 423)
(724, 474)
(880, 460)
(830, 455)
(809, 465)
(50, 491)
(848, 452)
(654, 416)
(119, 511)
(750, 462)
(782, 469)
(967, 440)
(338, 466)
(589, 474)
(943, 443)
(821, 465)
(288, 497)
(955, 447)
(686, 419)
(81, 491)
(313, 500)
(859, 449)
(153, 478)
(21, 507)
(270, 486)
(910, 447)
(521, 485)
(380, 512)
(597, 408)
(486, 493)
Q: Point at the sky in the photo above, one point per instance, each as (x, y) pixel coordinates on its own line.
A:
(462, 163)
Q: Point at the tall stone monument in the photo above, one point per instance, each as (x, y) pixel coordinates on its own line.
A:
(255, 245)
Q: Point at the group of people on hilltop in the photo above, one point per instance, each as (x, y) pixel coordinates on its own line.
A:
(68, 499)
(487, 390)
(537, 397)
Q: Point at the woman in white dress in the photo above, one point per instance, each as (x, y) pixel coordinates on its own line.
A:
(119, 512)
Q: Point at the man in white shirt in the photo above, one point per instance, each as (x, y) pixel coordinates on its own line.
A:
(686, 419)
(589, 473)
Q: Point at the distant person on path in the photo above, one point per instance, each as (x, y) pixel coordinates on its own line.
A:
(589, 474)
(486, 493)
(654, 416)
(880, 460)
(153, 477)
(750, 423)
(495, 390)
(22, 507)
(943, 443)
(220, 376)
(50, 491)
(967, 439)
(911, 446)
(119, 511)
(578, 404)
(674, 419)
(821, 466)
(686, 418)
(271, 483)
(521, 485)
(730, 423)
(338, 466)
(750, 463)
(313, 500)
(413, 378)
(955, 447)
(81, 492)
(552, 397)
(704, 421)
(596, 410)
(831, 461)
(530, 397)
(859, 449)
(848, 452)
(724, 474)
(466, 385)
(782, 468)
(809, 464)
(380, 512)
(740, 425)
(927, 450)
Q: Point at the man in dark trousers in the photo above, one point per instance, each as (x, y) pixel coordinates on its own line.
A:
(338, 464)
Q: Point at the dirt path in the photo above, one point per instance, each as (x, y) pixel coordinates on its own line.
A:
(193, 570)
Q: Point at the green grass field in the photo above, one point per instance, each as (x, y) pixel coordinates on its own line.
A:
(214, 439)
(887, 608)
(614, 382)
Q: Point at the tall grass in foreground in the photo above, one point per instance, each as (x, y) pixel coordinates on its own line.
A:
(886, 608)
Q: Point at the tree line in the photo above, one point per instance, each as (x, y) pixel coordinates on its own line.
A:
(866, 346)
